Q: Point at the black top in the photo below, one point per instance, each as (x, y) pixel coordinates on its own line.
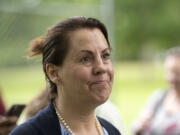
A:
(46, 123)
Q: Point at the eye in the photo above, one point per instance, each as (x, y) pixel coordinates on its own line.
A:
(85, 59)
(106, 56)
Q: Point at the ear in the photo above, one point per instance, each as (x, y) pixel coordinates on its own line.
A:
(52, 72)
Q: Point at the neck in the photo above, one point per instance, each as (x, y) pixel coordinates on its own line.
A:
(81, 119)
(79, 109)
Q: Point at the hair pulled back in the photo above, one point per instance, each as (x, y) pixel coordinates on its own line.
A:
(54, 46)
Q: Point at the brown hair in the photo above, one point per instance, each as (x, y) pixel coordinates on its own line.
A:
(54, 46)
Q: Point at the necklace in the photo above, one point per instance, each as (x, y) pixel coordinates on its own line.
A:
(64, 123)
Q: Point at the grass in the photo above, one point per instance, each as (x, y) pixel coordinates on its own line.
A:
(20, 84)
(133, 83)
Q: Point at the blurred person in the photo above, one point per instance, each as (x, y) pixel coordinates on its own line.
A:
(7, 123)
(161, 115)
(76, 61)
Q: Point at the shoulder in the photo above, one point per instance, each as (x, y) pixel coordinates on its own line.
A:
(152, 104)
(157, 94)
(156, 97)
(43, 123)
(109, 127)
(30, 127)
(23, 129)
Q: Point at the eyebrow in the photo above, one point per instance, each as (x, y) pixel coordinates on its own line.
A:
(90, 52)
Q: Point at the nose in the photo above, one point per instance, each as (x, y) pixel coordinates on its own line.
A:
(99, 66)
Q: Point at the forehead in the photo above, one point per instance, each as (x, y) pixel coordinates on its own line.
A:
(87, 39)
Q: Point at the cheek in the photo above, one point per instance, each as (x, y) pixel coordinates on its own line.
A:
(111, 73)
(79, 75)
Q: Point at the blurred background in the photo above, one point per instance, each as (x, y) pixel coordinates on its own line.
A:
(139, 31)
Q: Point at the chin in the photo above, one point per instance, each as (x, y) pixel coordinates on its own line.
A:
(101, 99)
(101, 95)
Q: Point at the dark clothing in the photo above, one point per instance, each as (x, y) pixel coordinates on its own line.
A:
(46, 123)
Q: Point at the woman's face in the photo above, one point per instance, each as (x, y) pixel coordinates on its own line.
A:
(87, 73)
(173, 71)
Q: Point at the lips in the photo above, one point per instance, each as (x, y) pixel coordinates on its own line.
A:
(99, 82)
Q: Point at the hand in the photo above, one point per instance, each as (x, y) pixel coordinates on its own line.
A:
(7, 123)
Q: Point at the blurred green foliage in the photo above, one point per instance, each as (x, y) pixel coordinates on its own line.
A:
(145, 24)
